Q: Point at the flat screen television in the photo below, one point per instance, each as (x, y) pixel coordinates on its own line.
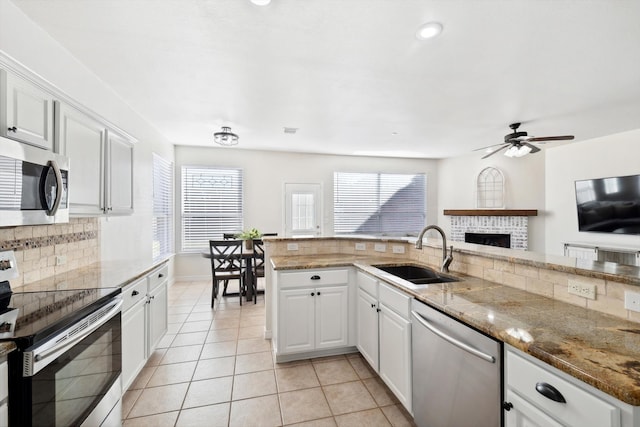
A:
(609, 205)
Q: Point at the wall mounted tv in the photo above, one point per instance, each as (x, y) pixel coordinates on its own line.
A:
(609, 205)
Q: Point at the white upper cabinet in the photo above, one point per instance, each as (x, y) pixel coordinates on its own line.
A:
(101, 164)
(82, 139)
(119, 175)
(26, 111)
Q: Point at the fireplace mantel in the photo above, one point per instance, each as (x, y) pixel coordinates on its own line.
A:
(491, 212)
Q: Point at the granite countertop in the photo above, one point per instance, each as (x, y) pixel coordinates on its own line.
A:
(110, 274)
(599, 349)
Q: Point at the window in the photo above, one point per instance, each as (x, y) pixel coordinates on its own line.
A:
(490, 188)
(378, 203)
(211, 205)
(162, 213)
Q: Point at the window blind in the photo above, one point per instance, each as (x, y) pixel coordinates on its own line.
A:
(378, 203)
(162, 212)
(211, 205)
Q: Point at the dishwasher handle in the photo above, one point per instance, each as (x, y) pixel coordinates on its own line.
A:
(482, 355)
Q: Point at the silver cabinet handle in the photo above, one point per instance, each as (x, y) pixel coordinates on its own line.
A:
(457, 343)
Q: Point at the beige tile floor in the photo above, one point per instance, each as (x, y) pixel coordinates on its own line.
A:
(216, 369)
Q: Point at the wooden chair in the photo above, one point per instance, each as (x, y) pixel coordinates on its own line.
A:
(258, 262)
(229, 236)
(226, 265)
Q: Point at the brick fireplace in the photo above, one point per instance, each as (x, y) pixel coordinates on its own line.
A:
(485, 224)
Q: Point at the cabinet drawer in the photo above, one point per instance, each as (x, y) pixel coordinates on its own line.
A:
(581, 407)
(133, 293)
(368, 284)
(158, 276)
(396, 300)
(313, 278)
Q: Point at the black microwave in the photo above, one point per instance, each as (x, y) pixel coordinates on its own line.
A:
(33, 185)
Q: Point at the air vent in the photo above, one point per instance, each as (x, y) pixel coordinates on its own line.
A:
(290, 130)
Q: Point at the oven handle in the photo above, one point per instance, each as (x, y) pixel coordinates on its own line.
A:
(457, 343)
(42, 358)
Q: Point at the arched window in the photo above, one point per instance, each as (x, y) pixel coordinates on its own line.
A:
(490, 188)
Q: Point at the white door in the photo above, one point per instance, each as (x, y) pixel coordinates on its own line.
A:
(524, 414)
(367, 336)
(82, 139)
(332, 316)
(120, 175)
(303, 209)
(158, 316)
(395, 354)
(134, 352)
(296, 317)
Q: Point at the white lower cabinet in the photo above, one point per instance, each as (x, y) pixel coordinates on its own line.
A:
(539, 395)
(313, 311)
(384, 334)
(144, 322)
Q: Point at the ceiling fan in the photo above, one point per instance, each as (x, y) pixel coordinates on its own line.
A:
(519, 144)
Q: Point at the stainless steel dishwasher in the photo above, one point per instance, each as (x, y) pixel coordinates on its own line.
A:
(456, 372)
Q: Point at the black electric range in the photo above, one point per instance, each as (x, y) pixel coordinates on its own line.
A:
(30, 317)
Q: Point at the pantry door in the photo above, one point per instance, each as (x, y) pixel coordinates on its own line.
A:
(303, 209)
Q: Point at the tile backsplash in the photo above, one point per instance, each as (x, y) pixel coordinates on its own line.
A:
(45, 250)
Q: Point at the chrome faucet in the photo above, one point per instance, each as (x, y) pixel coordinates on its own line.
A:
(446, 259)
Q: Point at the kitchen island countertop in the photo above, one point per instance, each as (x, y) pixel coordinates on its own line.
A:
(599, 349)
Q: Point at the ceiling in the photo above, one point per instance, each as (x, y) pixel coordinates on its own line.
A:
(352, 76)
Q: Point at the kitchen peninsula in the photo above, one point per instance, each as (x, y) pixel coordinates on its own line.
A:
(519, 298)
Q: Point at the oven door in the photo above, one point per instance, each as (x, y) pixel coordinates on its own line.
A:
(73, 378)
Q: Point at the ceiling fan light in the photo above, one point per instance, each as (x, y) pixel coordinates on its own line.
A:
(511, 151)
(428, 30)
(260, 2)
(517, 151)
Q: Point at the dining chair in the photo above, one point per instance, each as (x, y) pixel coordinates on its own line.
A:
(258, 263)
(226, 265)
(229, 236)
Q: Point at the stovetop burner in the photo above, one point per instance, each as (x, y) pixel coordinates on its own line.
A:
(32, 316)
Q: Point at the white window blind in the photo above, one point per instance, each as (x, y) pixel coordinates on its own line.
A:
(211, 205)
(162, 211)
(378, 203)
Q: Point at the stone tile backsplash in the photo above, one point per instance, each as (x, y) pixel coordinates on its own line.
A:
(45, 250)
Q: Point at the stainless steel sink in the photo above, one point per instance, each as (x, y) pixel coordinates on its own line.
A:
(416, 275)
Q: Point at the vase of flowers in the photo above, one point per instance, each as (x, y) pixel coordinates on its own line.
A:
(248, 236)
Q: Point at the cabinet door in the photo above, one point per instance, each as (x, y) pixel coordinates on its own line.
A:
(332, 317)
(119, 175)
(157, 315)
(134, 352)
(523, 414)
(395, 354)
(82, 139)
(296, 320)
(27, 112)
(367, 336)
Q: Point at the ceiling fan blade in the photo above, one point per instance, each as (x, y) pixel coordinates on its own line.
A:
(534, 149)
(494, 152)
(488, 146)
(551, 138)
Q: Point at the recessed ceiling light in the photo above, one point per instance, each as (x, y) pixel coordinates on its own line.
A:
(428, 30)
(260, 2)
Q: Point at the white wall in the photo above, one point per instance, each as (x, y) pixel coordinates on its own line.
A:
(29, 45)
(613, 155)
(524, 188)
(265, 174)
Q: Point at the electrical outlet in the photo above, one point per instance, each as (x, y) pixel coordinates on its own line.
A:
(397, 249)
(582, 289)
(61, 259)
(632, 301)
(361, 246)
(292, 246)
(380, 247)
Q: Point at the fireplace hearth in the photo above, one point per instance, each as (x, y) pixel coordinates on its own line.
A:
(490, 239)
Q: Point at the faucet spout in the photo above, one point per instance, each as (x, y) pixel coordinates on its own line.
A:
(446, 259)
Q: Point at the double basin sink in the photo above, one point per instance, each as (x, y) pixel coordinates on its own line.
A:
(416, 275)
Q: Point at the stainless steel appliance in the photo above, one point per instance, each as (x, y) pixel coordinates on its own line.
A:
(456, 372)
(33, 185)
(67, 368)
